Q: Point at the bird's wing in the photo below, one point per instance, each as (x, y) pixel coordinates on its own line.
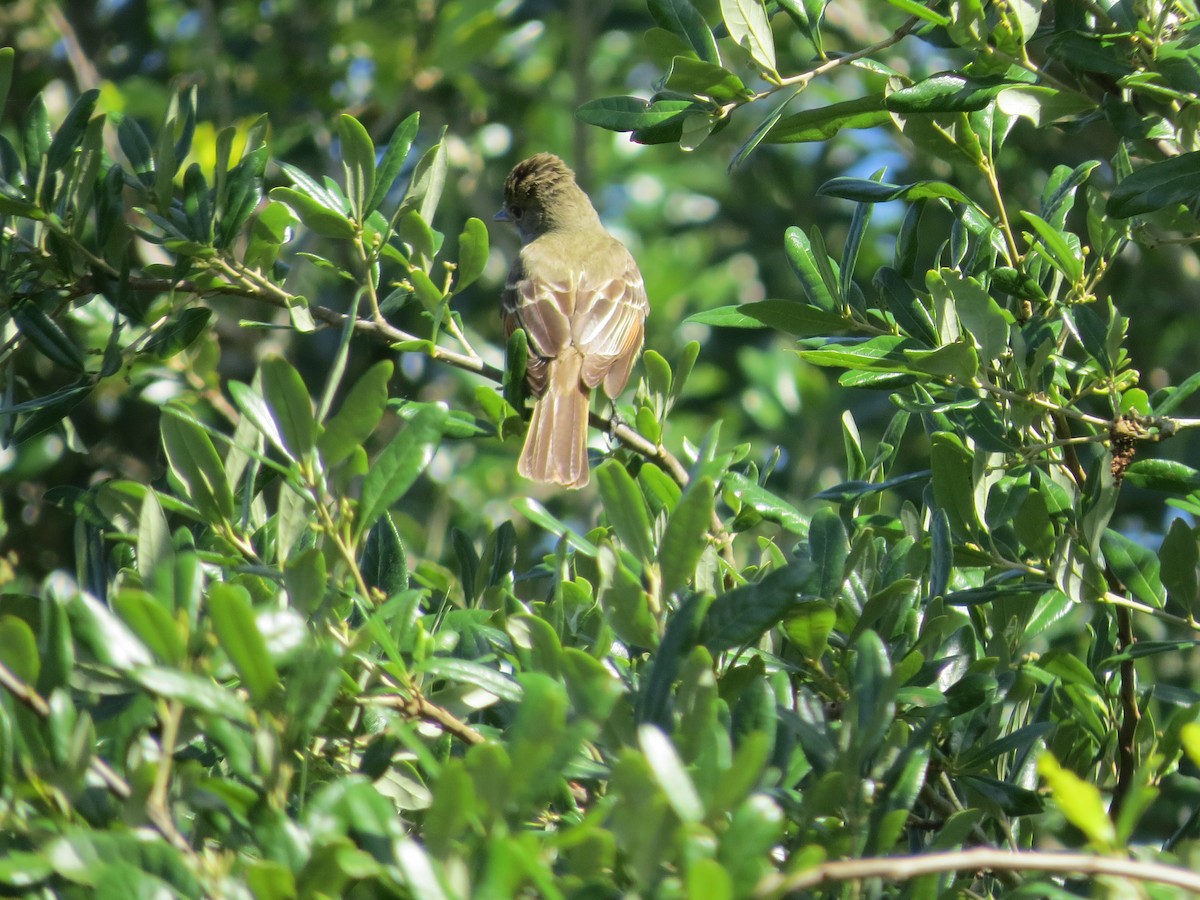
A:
(609, 326)
(542, 306)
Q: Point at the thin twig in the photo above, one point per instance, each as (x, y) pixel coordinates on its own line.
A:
(976, 859)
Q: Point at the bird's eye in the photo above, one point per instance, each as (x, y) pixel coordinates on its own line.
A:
(515, 211)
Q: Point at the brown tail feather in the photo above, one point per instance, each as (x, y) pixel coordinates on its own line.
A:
(556, 445)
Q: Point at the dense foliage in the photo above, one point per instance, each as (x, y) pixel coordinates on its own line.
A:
(888, 577)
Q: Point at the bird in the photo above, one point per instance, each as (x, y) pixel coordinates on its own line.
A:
(578, 294)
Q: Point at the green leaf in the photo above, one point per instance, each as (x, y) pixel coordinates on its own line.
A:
(7, 55)
(473, 673)
(625, 508)
(979, 313)
(670, 774)
(953, 481)
(663, 118)
(1165, 475)
(1067, 260)
(472, 253)
(321, 219)
(243, 193)
(429, 179)
(677, 645)
(290, 404)
(358, 416)
(809, 628)
(766, 503)
(799, 319)
(44, 333)
(1178, 558)
(21, 871)
(1136, 566)
(694, 76)
(625, 602)
(743, 615)
(70, 133)
(681, 18)
(179, 332)
(393, 160)
(1080, 802)
(384, 563)
(195, 462)
(684, 541)
(802, 256)
(750, 28)
(824, 122)
(194, 691)
(956, 360)
(18, 649)
(864, 190)
(947, 92)
(830, 547)
(427, 292)
(304, 576)
(237, 631)
(1163, 183)
(136, 147)
(885, 353)
(151, 621)
(398, 466)
(761, 131)
(1043, 106)
(358, 162)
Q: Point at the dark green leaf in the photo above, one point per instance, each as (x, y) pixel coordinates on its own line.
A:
(681, 18)
(177, 334)
(325, 221)
(393, 160)
(743, 615)
(864, 190)
(635, 114)
(680, 638)
(401, 462)
(1163, 183)
(384, 563)
(1163, 475)
(358, 416)
(196, 464)
(824, 122)
(1178, 558)
(947, 92)
(1137, 567)
(801, 255)
(694, 76)
(7, 54)
(70, 133)
(44, 333)
(136, 147)
(799, 319)
(290, 404)
(829, 547)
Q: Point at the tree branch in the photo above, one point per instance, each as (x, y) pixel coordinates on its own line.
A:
(977, 859)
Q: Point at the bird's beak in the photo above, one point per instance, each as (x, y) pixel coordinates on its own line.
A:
(503, 215)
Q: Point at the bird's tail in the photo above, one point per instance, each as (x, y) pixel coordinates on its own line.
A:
(556, 445)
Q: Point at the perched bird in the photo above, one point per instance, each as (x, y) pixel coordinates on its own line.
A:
(578, 294)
